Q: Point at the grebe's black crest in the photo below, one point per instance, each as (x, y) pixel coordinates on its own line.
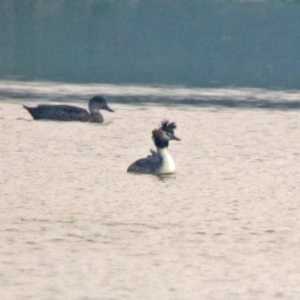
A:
(168, 126)
(164, 134)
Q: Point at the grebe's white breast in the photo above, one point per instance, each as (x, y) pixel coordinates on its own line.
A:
(167, 163)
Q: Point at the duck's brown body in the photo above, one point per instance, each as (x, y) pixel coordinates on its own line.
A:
(63, 113)
(70, 113)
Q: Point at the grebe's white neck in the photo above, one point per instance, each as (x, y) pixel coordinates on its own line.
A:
(167, 162)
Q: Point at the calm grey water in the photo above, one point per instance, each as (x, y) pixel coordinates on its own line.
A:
(75, 225)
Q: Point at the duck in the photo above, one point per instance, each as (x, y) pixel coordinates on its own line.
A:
(71, 113)
(159, 162)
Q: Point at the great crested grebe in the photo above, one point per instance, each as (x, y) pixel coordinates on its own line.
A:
(71, 113)
(159, 162)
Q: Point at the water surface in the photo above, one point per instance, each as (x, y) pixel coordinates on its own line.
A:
(75, 225)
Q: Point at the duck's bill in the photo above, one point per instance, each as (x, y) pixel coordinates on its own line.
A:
(109, 109)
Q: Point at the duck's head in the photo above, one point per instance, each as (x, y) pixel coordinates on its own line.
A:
(97, 103)
(164, 134)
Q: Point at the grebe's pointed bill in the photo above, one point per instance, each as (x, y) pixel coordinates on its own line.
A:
(173, 137)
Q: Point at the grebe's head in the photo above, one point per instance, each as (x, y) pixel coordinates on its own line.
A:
(164, 134)
(97, 103)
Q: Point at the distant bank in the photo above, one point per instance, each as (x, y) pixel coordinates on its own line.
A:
(204, 43)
